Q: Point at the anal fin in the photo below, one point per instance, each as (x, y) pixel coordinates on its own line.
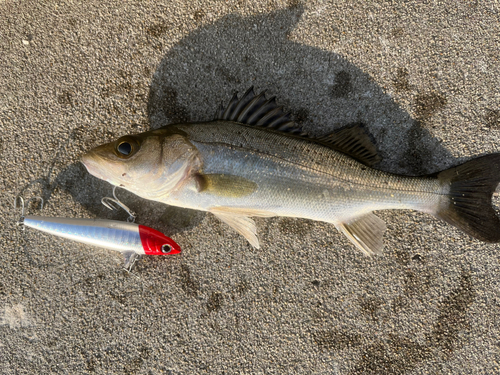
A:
(366, 232)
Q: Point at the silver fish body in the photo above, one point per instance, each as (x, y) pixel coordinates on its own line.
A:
(249, 163)
(294, 177)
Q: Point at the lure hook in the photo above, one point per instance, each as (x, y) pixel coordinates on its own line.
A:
(23, 207)
(131, 258)
(108, 203)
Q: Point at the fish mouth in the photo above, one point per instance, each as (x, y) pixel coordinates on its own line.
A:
(91, 163)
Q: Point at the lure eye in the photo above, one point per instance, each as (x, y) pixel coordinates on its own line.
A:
(165, 249)
(124, 148)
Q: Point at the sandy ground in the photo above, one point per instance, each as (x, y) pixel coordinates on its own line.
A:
(423, 77)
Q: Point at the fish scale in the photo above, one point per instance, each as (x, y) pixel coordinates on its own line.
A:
(320, 169)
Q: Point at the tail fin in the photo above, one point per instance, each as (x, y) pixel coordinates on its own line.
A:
(469, 205)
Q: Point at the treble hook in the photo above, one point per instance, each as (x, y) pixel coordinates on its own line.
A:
(107, 202)
(23, 209)
(131, 258)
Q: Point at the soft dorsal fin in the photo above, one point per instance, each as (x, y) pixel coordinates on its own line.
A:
(353, 141)
(256, 110)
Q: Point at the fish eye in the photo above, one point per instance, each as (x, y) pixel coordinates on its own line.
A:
(126, 147)
(165, 249)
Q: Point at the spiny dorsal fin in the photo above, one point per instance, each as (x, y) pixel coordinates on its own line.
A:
(353, 141)
(256, 110)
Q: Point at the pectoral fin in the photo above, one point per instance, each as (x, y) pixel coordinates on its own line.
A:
(239, 220)
(225, 185)
(366, 233)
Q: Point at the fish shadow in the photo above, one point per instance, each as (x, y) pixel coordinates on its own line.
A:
(323, 90)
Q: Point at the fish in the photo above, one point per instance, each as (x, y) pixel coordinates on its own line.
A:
(132, 240)
(251, 160)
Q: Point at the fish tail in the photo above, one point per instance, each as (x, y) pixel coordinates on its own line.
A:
(468, 205)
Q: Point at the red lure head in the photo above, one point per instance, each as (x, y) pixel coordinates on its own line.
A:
(156, 243)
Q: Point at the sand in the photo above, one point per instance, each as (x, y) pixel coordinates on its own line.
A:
(422, 77)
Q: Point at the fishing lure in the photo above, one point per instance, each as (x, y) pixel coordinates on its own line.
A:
(132, 240)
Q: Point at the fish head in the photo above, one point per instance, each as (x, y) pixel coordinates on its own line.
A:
(150, 164)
